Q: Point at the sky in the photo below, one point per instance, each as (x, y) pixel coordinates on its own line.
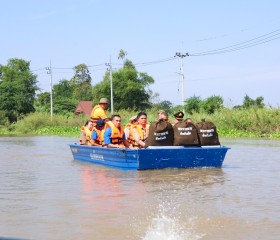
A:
(233, 46)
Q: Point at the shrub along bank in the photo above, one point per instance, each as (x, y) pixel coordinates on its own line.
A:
(253, 122)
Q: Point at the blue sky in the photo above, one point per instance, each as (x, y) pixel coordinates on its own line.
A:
(72, 32)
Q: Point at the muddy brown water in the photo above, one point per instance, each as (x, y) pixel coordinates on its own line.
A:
(45, 194)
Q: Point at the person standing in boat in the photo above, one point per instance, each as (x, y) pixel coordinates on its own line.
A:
(140, 131)
(97, 136)
(85, 136)
(114, 136)
(99, 111)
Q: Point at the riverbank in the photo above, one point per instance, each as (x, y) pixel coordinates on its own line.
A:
(231, 123)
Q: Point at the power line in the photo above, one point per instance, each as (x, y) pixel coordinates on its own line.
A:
(155, 62)
(274, 35)
(242, 45)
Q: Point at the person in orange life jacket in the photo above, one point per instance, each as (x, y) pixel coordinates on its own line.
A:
(114, 136)
(99, 111)
(132, 121)
(178, 117)
(97, 136)
(85, 136)
(140, 131)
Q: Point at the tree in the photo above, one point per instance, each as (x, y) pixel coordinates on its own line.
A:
(259, 102)
(212, 104)
(122, 54)
(82, 83)
(64, 89)
(64, 105)
(62, 98)
(249, 102)
(17, 89)
(130, 88)
(192, 104)
(42, 102)
(164, 105)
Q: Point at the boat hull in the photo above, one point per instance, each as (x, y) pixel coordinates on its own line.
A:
(151, 158)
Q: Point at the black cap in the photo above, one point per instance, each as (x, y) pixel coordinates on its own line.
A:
(179, 115)
(100, 123)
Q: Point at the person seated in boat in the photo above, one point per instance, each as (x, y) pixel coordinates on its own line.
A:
(114, 136)
(178, 117)
(207, 133)
(163, 115)
(140, 131)
(185, 132)
(132, 121)
(97, 136)
(189, 120)
(85, 136)
(99, 111)
(161, 133)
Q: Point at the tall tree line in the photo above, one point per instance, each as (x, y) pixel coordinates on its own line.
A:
(18, 88)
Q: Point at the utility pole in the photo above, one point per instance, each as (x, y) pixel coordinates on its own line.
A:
(111, 85)
(181, 55)
(49, 71)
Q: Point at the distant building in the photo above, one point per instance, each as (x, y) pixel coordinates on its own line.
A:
(84, 107)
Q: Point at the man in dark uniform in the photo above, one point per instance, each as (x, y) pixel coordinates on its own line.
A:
(178, 117)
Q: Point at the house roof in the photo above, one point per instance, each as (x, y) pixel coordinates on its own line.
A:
(84, 107)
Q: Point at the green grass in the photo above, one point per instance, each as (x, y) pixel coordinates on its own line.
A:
(255, 123)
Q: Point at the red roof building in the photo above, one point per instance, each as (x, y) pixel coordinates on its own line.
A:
(84, 107)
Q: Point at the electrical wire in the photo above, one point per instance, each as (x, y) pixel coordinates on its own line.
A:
(271, 36)
(246, 44)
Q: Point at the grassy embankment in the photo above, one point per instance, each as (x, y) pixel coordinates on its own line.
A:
(232, 123)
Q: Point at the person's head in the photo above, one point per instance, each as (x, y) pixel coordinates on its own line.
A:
(162, 115)
(103, 102)
(142, 118)
(116, 120)
(100, 124)
(89, 125)
(178, 116)
(133, 119)
(189, 120)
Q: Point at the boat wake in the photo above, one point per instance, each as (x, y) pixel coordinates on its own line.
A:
(164, 226)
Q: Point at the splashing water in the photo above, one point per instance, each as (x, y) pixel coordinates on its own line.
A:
(165, 227)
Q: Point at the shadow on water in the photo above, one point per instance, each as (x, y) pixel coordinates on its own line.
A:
(183, 177)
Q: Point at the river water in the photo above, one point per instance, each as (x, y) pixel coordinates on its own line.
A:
(45, 194)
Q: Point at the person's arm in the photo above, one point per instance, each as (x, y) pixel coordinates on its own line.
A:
(93, 139)
(83, 138)
(107, 139)
(126, 132)
(137, 138)
(126, 143)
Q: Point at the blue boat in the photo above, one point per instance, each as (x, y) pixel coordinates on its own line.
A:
(152, 157)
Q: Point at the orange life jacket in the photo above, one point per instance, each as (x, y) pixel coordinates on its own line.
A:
(143, 135)
(87, 133)
(129, 136)
(117, 133)
(100, 136)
